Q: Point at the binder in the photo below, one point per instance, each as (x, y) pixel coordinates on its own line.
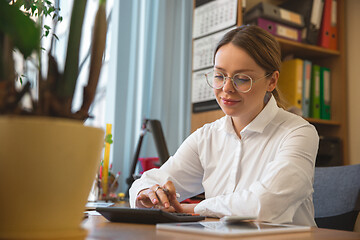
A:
(333, 26)
(278, 29)
(290, 82)
(328, 33)
(325, 94)
(306, 88)
(312, 11)
(275, 13)
(315, 92)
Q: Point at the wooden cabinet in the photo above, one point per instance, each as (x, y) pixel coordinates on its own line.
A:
(335, 60)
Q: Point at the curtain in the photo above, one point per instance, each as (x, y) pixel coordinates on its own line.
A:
(149, 76)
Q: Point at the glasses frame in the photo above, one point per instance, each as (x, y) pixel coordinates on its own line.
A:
(232, 80)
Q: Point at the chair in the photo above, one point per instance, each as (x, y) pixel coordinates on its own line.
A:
(337, 196)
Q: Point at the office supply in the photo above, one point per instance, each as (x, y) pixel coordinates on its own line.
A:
(306, 88)
(114, 183)
(337, 196)
(203, 50)
(105, 166)
(325, 39)
(290, 82)
(202, 95)
(145, 215)
(325, 93)
(153, 126)
(214, 16)
(278, 29)
(167, 192)
(312, 11)
(219, 228)
(276, 14)
(205, 106)
(315, 92)
(333, 26)
(201, 91)
(93, 205)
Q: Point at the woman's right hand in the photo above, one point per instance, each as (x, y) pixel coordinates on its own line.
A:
(159, 197)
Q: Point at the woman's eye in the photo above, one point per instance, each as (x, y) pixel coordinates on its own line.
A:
(242, 79)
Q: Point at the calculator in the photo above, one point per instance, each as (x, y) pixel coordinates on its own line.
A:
(145, 215)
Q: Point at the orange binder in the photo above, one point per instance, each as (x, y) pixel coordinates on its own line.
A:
(328, 32)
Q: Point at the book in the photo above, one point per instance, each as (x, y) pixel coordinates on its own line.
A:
(315, 92)
(325, 93)
(290, 82)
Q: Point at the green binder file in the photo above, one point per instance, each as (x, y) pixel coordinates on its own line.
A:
(325, 94)
(315, 92)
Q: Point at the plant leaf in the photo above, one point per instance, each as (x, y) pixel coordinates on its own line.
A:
(22, 30)
(108, 139)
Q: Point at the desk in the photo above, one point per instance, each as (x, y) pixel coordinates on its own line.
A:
(100, 229)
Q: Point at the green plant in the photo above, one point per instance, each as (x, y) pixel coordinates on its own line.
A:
(56, 90)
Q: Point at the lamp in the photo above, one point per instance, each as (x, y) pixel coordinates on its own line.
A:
(154, 126)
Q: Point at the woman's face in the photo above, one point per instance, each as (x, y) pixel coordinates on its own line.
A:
(231, 60)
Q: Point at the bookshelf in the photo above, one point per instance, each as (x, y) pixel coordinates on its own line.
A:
(333, 59)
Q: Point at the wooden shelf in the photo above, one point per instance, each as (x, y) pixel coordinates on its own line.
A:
(303, 50)
(332, 59)
(323, 122)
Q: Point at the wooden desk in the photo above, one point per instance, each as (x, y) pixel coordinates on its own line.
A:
(99, 228)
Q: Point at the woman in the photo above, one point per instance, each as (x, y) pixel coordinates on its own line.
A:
(258, 160)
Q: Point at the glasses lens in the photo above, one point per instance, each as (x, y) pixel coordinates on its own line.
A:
(242, 82)
(215, 79)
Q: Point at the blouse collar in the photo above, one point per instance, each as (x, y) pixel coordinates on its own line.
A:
(259, 123)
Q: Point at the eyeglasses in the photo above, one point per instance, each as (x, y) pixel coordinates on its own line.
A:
(240, 81)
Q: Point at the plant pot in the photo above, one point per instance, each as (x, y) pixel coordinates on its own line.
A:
(47, 167)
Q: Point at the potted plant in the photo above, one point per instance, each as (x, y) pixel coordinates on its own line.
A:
(48, 158)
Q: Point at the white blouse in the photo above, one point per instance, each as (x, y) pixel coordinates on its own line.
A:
(267, 173)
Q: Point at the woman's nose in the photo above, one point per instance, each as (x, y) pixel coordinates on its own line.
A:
(228, 86)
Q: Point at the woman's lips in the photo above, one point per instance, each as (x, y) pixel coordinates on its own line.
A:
(229, 102)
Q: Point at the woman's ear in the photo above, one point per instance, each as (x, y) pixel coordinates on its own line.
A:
(273, 81)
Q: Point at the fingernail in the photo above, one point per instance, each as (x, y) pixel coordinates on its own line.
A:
(154, 201)
(167, 205)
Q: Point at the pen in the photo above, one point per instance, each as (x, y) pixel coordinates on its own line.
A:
(167, 192)
(114, 182)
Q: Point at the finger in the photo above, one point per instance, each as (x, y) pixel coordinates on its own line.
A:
(163, 197)
(152, 195)
(171, 192)
(175, 204)
(170, 209)
(142, 200)
(170, 188)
